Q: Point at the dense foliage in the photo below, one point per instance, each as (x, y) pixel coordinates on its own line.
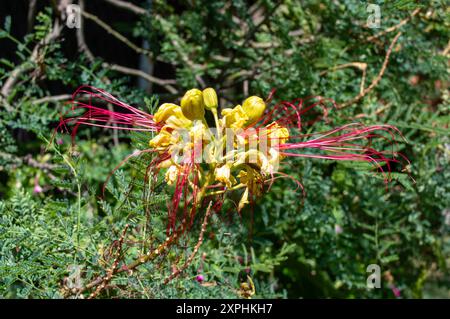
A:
(58, 231)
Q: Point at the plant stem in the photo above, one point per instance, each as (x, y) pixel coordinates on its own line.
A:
(72, 168)
(77, 180)
(216, 120)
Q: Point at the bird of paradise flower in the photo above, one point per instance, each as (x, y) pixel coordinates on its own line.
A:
(260, 137)
(239, 153)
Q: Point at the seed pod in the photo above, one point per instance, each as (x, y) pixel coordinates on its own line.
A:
(192, 105)
(210, 98)
(254, 107)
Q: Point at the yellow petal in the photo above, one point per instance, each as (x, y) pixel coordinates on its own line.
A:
(222, 174)
(172, 174)
(234, 118)
(163, 139)
(277, 134)
(164, 111)
(244, 200)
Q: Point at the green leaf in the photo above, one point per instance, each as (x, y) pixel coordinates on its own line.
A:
(7, 24)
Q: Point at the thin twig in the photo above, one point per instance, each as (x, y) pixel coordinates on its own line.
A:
(28, 160)
(446, 49)
(188, 61)
(393, 28)
(53, 98)
(358, 65)
(116, 34)
(150, 255)
(128, 6)
(377, 78)
(150, 78)
(82, 46)
(61, 97)
(113, 267)
(249, 36)
(29, 64)
(177, 272)
(31, 15)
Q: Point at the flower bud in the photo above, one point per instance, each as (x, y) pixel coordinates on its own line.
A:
(210, 98)
(192, 105)
(254, 107)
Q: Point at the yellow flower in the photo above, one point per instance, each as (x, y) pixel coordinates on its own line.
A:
(244, 177)
(254, 107)
(252, 179)
(163, 139)
(171, 115)
(247, 289)
(254, 157)
(210, 98)
(234, 118)
(188, 139)
(223, 175)
(192, 105)
(172, 174)
(244, 200)
(178, 121)
(273, 162)
(198, 134)
(277, 134)
(166, 110)
(198, 130)
(165, 164)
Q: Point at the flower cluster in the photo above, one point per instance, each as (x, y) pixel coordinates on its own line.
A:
(205, 156)
(235, 154)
